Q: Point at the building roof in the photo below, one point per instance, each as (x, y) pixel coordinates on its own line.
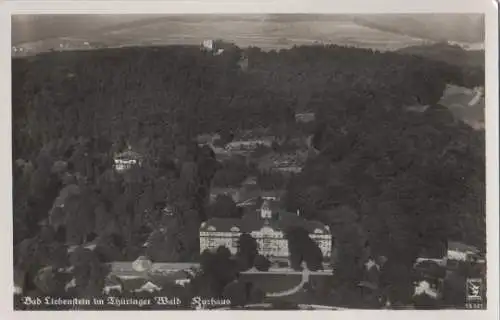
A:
(220, 224)
(250, 181)
(129, 154)
(305, 117)
(163, 267)
(135, 281)
(458, 246)
(252, 222)
(272, 193)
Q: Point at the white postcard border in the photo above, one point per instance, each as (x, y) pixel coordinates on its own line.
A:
(261, 6)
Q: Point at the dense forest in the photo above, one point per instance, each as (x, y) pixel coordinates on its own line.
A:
(387, 180)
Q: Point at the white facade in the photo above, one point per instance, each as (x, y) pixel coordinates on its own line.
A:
(212, 45)
(266, 231)
(460, 255)
(457, 255)
(208, 44)
(271, 242)
(125, 164)
(292, 169)
(214, 239)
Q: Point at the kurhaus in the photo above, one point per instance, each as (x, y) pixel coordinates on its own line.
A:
(267, 226)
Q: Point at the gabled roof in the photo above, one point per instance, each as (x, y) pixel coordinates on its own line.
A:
(458, 246)
(270, 205)
(272, 193)
(252, 222)
(220, 224)
(250, 181)
(288, 220)
(129, 154)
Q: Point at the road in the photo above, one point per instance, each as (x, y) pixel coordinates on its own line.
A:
(305, 279)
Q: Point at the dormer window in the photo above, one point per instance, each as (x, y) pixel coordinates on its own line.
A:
(265, 210)
(211, 228)
(235, 229)
(318, 231)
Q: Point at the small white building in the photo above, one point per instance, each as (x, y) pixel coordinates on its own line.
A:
(305, 117)
(126, 160)
(208, 44)
(461, 252)
(425, 288)
(214, 46)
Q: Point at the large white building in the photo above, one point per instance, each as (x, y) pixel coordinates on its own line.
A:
(267, 226)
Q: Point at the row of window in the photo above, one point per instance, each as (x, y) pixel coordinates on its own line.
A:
(318, 233)
(234, 237)
(220, 234)
(268, 246)
(322, 236)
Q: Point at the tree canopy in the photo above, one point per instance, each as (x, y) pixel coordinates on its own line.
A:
(385, 179)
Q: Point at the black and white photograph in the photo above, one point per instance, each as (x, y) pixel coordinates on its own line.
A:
(249, 161)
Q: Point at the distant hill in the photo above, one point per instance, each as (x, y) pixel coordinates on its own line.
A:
(452, 54)
(468, 28)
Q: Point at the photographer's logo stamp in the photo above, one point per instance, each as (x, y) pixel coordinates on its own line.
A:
(474, 293)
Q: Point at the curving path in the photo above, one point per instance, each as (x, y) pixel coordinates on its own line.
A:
(305, 279)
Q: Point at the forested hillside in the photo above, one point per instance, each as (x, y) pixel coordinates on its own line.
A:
(452, 54)
(387, 179)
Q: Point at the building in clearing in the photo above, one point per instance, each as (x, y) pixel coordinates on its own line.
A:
(462, 252)
(305, 117)
(126, 160)
(216, 47)
(267, 225)
(248, 144)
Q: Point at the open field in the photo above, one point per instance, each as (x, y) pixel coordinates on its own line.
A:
(265, 31)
